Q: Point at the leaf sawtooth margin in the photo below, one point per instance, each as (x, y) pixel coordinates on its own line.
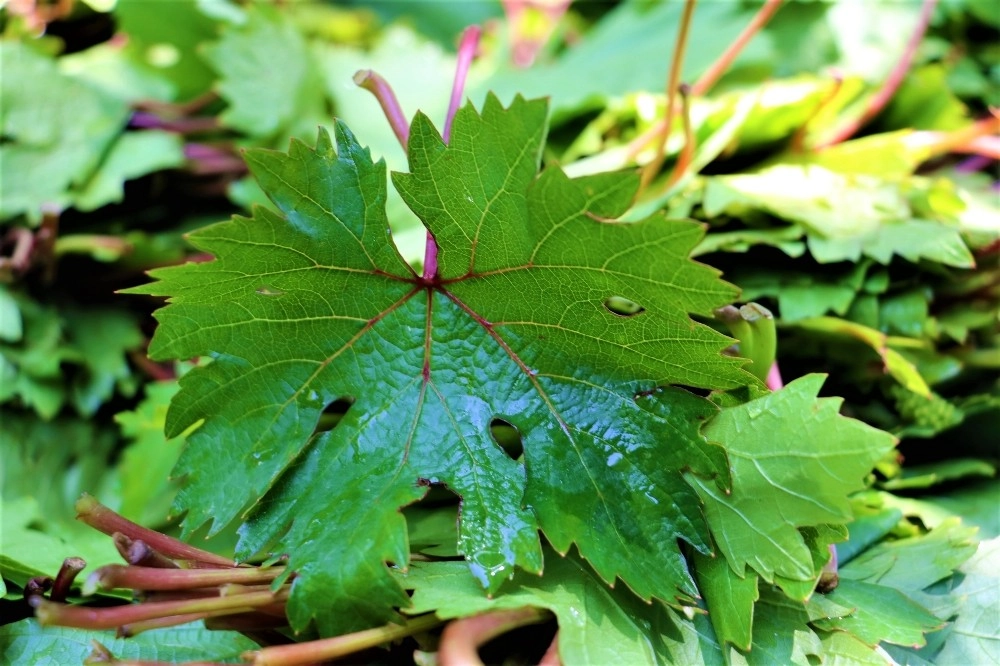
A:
(312, 304)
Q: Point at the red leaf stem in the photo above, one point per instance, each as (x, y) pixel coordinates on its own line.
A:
(383, 92)
(673, 79)
(713, 73)
(724, 61)
(103, 519)
(83, 617)
(133, 577)
(687, 152)
(71, 566)
(551, 656)
(300, 654)
(892, 83)
(139, 553)
(462, 638)
(466, 52)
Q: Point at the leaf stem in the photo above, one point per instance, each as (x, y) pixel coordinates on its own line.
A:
(829, 578)
(774, 381)
(299, 654)
(676, 65)
(197, 125)
(715, 71)
(19, 261)
(462, 638)
(114, 576)
(466, 52)
(687, 152)
(551, 656)
(892, 83)
(83, 617)
(383, 92)
(37, 586)
(71, 566)
(139, 553)
(103, 519)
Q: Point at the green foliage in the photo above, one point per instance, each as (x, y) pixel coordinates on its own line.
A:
(26, 642)
(597, 624)
(52, 358)
(554, 365)
(786, 468)
(545, 239)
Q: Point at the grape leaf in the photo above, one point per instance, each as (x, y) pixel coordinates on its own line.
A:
(729, 597)
(846, 216)
(975, 638)
(52, 124)
(914, 563)
(39, 484)
(597, 625)
(165, 40)
(788, 472)
(267, 75)
(133, 155)
(27, 642)
(313, 305)
(781, 634)
(144, 468)
(880, 614)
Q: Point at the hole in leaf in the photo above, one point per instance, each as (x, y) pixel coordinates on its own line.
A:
(621, 306)
(333, 413)
(507, 438)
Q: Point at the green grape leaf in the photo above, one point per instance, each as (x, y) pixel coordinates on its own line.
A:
(880, 614)
(914, 563)
(27, 642)
(729, 598)
(788, 472)
(597, 624)
(313, 305)
(40, 482)
(781, 633)
(165, 40)
(146, 488)
(801, 294)
(76, 355)
(846, 216)
(52, 124)
(268, 77)
(975, 636)
(133, 155)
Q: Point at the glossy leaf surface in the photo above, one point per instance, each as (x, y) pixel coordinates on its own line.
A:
(313, 305)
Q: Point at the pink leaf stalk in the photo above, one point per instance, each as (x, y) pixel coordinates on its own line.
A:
(383, 92)
(891, 85)
(774, 378)
(466, 52)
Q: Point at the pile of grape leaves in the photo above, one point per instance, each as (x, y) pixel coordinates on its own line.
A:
(544, 409)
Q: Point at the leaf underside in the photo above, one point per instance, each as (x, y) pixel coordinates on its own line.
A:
(312, 305)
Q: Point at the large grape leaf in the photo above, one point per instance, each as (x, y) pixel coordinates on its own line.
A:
(312, 305)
